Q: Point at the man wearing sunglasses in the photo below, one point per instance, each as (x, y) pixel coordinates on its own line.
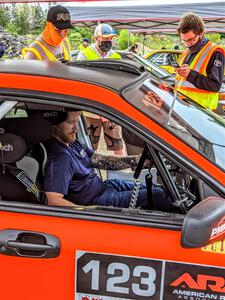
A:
(53, 44)
(201, 70)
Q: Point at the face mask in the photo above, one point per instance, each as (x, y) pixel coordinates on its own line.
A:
(105, 46)
(52, 36)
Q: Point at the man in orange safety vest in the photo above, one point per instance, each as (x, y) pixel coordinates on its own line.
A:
(52, 44)
(201, 71)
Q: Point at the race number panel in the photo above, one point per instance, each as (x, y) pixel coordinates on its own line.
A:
(113, 277)
(117, 277)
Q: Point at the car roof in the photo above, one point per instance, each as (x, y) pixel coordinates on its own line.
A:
(114, 74)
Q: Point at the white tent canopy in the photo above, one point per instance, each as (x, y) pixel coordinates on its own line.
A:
(163, 15)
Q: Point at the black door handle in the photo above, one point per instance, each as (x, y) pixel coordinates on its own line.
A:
(28, 244)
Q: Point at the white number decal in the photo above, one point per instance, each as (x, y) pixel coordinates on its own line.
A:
(93, 266)
(145, 277)
(110, 287)
(148, 281)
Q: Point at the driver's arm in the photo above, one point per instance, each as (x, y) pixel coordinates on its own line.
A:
(58, 199)
(112, 162)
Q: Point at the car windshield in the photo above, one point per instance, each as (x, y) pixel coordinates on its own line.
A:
(198, 127)
(162, 74)
(154, 69)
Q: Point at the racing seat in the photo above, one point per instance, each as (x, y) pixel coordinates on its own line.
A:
(15, 184)
(33, 132)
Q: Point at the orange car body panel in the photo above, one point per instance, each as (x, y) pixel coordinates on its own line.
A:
(93, 237)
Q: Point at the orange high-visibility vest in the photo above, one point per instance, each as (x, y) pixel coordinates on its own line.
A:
(42, 52)
(200, 62)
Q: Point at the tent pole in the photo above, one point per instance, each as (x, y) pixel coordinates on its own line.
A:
(128, 41)
(143, 44)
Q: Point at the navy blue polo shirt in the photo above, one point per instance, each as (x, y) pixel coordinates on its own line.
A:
(69, 172)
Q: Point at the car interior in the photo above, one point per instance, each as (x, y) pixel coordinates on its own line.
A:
(27, 126)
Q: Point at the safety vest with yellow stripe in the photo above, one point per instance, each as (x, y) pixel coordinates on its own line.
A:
(90, 54)
(206, 98)
(42, 52)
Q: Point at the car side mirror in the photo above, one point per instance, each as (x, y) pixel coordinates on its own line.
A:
(204, 223)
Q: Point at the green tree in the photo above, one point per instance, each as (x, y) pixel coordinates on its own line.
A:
(22, 19)
(78, 34)
(4, 16)
(38, 18)
(122, 40)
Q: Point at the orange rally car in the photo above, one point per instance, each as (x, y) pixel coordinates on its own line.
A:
(108, 253)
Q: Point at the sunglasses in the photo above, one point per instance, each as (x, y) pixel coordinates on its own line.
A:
(189, 40)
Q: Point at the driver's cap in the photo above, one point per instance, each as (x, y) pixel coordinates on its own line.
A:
(104, 30)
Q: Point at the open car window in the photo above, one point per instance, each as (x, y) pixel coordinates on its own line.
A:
(183, 188)
(181, 117)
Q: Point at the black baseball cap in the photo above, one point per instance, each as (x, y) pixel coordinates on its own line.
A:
(59, 16)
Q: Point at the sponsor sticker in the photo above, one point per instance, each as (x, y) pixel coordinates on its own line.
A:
(193, 282)
(218, 63)
(218, 230)
(217, 247)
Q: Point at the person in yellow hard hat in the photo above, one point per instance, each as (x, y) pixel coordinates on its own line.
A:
(52, 44)
(201, 71)
(101, 49)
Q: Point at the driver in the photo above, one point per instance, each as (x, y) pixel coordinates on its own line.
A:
(70, 178)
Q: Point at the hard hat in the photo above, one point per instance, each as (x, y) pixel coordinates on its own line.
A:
(86, 40)
(104, 30)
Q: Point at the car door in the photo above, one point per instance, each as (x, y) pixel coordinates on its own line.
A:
(101, 253)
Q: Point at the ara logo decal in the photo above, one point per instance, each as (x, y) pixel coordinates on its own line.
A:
(193, 282)
(203, 282)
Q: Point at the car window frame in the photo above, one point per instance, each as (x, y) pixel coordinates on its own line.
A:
(158, 146)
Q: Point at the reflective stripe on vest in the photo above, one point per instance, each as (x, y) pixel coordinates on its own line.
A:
(47, 52)
(34, 51)
(66, 49)
(41, 51)
(200, 62)
(90, 54)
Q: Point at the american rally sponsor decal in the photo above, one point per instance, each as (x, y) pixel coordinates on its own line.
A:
(114, 277)
(218, 230)
(193, 282)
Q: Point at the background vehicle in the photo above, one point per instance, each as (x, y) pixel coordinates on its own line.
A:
(74, 54)
(156, 71)
(168, 78)
(95, 252)
(162, 58)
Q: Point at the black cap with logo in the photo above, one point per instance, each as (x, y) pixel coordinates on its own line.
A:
(59, 16)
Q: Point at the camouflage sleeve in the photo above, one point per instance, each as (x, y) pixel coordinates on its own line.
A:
(111, 162)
